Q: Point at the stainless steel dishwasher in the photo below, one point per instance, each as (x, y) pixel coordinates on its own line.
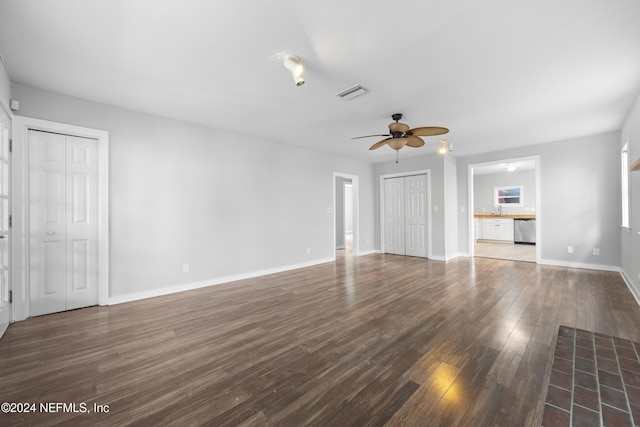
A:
(524, 230)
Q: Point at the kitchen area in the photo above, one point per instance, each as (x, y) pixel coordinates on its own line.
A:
(505, 211)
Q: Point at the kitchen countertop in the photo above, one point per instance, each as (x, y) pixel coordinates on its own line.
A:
(519, 216)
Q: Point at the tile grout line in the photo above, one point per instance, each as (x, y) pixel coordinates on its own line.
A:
(573, 375)
(595, 365)
(633, 345)
(624, 384)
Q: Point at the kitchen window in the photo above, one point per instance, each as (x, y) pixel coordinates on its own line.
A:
(508, 196)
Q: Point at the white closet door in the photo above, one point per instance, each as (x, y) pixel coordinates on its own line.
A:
(394, 216)
(63, 223)
(415, 189)
(5, 315)
(82, 222)
(405, 215)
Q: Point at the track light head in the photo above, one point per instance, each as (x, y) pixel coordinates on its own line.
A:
(293, 64)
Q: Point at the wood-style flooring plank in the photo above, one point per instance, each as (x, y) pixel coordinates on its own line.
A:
(373, 340)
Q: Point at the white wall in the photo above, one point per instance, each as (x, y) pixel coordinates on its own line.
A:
(5, 87)
(228, 205)
(348, 208)
(580, 199)
(450, 191)
(630, 239)
(483, 185)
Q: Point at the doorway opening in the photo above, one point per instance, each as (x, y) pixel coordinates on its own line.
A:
(504, 209)
(345, 217)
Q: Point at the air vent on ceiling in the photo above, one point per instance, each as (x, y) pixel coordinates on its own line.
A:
(351, 92)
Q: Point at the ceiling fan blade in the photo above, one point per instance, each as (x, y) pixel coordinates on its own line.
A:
(379, 144)
(369, 136)
(414, 141)
(428, 131)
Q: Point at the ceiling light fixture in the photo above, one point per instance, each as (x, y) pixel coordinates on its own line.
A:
(445, 145)
(401, 136)
(293, 64)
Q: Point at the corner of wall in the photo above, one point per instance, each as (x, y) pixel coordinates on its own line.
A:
(5, 86)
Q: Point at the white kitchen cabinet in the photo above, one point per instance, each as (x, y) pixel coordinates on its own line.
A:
(500, 229)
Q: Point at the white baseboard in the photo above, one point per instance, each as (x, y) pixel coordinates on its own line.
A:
(582, 265)
(629, 283)
(447, 258)
(202, 284)
(3, 328)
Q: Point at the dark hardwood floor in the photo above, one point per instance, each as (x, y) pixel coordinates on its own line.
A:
(374, 340)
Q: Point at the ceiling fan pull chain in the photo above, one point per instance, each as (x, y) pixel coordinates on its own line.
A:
(397, 151)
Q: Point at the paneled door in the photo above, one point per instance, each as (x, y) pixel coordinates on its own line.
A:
(394, 236)
(63, 222)
(415, 194)
(5, 314)
(405, 215)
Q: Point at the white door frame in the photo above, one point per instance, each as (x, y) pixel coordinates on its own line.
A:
(470, 210)
(427, 210)
(20, 211)
(355, 181)
(5, 111)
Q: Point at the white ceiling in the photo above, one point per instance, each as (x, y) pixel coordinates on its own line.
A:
(501, 167)
(497, 73)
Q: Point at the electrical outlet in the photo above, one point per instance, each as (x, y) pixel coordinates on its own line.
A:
(570, 249)
(185, 268)
(596, 251)
(308, 251)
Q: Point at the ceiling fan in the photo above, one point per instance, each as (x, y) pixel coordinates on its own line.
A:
(400, 135)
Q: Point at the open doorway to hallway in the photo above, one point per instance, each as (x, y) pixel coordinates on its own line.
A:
(345, 214)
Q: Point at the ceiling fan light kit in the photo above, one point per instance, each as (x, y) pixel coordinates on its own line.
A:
(400, 135)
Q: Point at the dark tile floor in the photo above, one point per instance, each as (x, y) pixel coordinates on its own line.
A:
(594, 381)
